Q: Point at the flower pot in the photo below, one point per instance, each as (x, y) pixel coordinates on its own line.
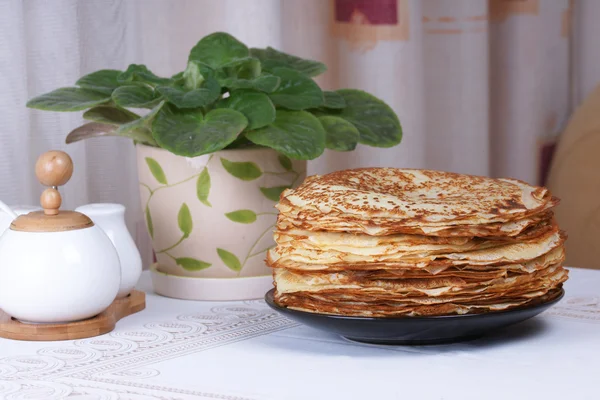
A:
(211, 219)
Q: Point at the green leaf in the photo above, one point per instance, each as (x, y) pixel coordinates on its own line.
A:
(264, 83)
(91, 130)
(191, 264)
(203, 187)
(333, 100)
(246, 171)
(184, 220)
(68, 99)
(296, 91)
(192, 76)
(267, 83)
(135, 96)
(96, 129)
(341, 134)
(255, 106)
(110, 115)
(208, 93)
(273, 193)
(243, 68)
(178, 76)
(103, 81)
(376, 121)
(272, 58)
(285, 162)
(156, 170)
(242, 216)
(241, 143)
(297, 134)
(189, 133)
(218, 49)
(230, 260)
(149, 223)
(141, 73)
(140, 128)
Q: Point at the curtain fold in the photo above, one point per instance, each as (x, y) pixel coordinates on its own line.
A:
(481, 87)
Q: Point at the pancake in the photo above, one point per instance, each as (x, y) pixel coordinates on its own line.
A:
(503, 253)
(359, 309)
(380, 227)
(426, 200)
(390, 242)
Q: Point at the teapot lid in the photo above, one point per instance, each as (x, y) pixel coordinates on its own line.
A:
(53, 168)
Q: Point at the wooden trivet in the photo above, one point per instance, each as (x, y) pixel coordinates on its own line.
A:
(104, 322)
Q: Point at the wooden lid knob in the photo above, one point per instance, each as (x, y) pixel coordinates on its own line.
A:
(50, 201)
(54, 168)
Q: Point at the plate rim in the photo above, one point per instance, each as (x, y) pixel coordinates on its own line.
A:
(270, 300)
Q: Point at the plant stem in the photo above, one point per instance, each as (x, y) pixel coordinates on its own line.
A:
(296, 178)
(279, 173)
(172, 247)
(258, 252)
(169, 254)
(147, 187)
(256, 243)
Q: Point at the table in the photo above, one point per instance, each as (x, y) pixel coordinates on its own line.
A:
(179, 349)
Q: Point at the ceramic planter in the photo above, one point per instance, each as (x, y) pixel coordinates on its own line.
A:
(211, 219)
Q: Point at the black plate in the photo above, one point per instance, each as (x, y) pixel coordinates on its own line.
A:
(413, 330)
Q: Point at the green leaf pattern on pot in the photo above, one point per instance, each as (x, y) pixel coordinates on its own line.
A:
(242, 170)
(149, 223)
(285, 162)
(203, 187)
(242, 216)
(184, 220)
(246, 171)
(156, 170)
(191, 264)
(273, 193)
(230, 260)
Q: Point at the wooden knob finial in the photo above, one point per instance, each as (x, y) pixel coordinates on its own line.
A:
(54, 168)
(50, 201)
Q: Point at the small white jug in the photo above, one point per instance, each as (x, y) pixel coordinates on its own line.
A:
(111, 218)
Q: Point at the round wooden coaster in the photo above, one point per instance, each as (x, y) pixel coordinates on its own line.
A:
(104, 322)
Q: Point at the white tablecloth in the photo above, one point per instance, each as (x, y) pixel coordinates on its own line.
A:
(242, 350)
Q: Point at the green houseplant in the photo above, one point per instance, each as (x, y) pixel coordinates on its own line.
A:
(236, 124)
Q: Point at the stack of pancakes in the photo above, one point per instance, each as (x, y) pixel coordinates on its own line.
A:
(384, 242)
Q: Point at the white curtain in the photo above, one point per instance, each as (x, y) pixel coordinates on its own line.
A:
(481, 86)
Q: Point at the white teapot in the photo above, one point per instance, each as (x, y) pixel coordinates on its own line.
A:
(56, 266)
